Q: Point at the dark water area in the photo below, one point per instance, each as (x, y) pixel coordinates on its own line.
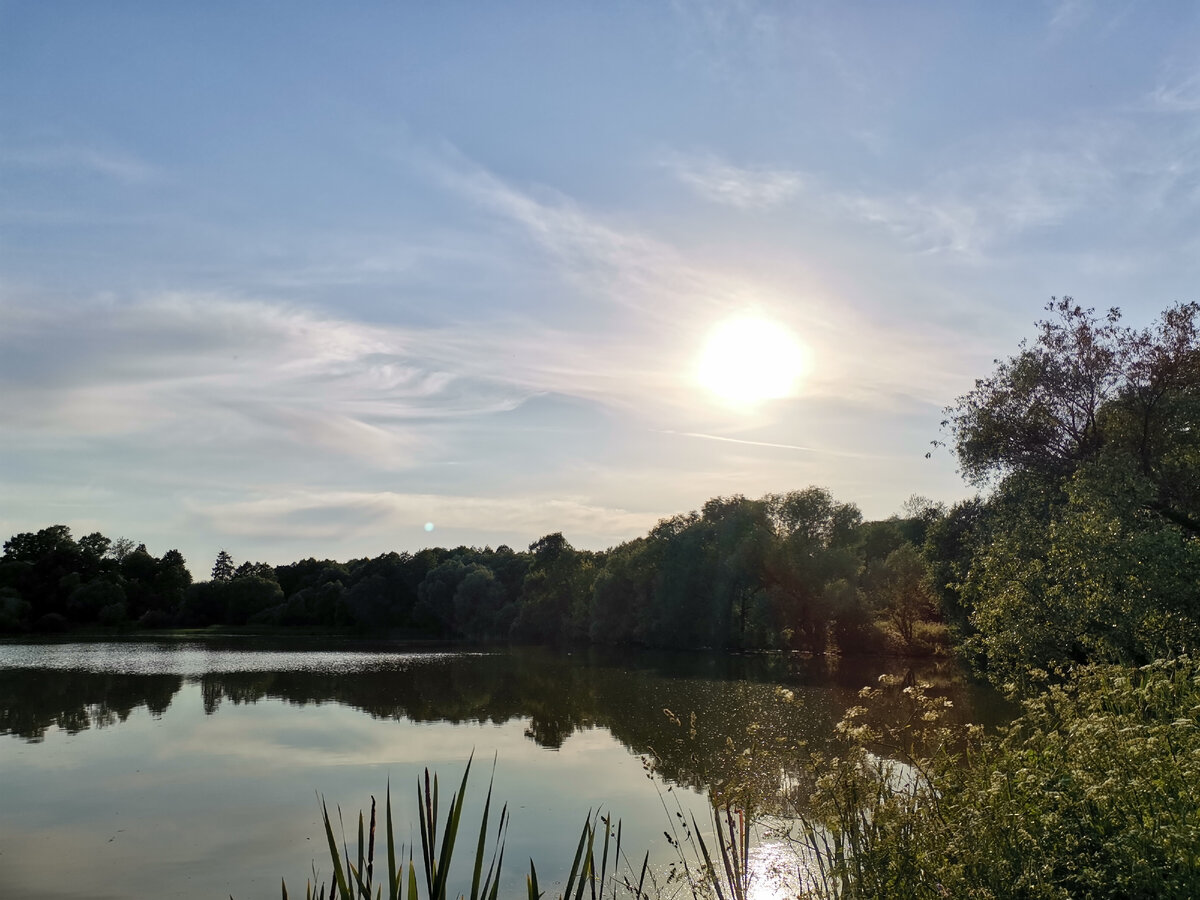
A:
(190, 769)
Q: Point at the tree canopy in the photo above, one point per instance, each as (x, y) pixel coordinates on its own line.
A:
(1089, 544)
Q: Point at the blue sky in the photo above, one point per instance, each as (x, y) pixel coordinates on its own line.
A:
(294, 279)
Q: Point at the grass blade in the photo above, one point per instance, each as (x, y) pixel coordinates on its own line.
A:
(479, 848)
(393, 875)
(412, 879)
(583, 835)
(531, 883)
(716, 881)
(453, 817)
(339, 875)
(428, 830)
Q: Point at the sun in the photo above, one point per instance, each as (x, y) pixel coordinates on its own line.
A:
(748, 360)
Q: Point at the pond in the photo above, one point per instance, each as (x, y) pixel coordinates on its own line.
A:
(193, 769)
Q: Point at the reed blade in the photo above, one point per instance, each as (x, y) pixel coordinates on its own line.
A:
(481, 845)
(587, 827)
(393, 875)
(531, 883)
(339, 876)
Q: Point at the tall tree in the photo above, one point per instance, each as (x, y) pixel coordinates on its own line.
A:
(222, 569)
(1090, 544)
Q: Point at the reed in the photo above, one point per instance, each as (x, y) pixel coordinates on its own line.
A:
(594, 870)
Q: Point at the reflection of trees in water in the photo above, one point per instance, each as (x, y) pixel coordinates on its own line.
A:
(33, 700)
(695, 714)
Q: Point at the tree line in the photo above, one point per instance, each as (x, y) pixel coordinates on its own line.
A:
(794, 571)
(1082, 544)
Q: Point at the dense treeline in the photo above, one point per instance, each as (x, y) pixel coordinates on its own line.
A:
(788, 571)
(1085, 545)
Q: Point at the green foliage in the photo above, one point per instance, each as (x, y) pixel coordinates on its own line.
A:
(1089, 549)
(58, 582)
(1091, 792)
(787, 571)
(899, 588)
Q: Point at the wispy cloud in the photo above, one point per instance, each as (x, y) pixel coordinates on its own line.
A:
(108, 163)
(322, 515)
(189, 363)
(753, 187)
(614, 263)
(1068, 14)
(967, 209)
(1178, 95)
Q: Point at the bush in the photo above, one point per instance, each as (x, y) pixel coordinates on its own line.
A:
(113, 614)
(1091, 792)
(14, 612)
(155, 618)
(50, 623)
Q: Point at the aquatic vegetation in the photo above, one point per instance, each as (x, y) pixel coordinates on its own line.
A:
(354, 877)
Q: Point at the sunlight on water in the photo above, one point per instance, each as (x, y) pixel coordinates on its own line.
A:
(775, 871)
(197, 659)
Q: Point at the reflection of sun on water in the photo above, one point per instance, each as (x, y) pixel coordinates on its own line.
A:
(748, 360)
(777, 872)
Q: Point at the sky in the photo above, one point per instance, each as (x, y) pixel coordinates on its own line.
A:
(314, 279)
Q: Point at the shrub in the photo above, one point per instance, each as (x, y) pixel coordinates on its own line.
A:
(1091, 792)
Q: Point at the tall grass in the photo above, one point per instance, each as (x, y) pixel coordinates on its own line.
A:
(593, 869)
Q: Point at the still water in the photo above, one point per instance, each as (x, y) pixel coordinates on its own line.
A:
(186, 769)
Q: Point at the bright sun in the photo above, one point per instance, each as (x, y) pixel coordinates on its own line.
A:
(748, 360)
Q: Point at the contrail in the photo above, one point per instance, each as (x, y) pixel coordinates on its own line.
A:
(729, 440)
(717, 437)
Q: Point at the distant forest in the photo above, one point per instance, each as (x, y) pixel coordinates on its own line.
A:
(789, 571)
(1083, 544)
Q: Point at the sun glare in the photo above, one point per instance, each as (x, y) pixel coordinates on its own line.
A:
(748, 360)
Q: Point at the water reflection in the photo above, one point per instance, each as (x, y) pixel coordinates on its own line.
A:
(695, 714)
(34, 700)
(107, 743)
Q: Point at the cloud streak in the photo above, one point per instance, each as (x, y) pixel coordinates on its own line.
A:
(740, 187)
(351, 515)
(112, 164)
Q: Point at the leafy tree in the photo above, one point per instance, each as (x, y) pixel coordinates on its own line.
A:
(949, 546)
(249, 596)
(120, 548)
(622, 595)
(95, 544)
(555, 593)
(1087, 549)
(902, 592)
(259, 569)
(814, 548)
(1040, 410)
